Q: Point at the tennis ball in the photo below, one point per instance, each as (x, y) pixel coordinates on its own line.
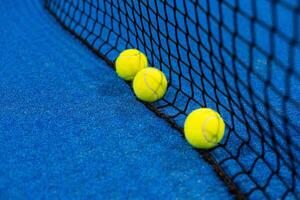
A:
(150, 84)
(204, 128)
(130, 62)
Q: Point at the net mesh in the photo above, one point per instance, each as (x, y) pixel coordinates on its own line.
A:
(241, 58)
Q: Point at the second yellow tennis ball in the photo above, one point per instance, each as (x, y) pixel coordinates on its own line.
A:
(204, 128)
(130, 62)
(150, 84)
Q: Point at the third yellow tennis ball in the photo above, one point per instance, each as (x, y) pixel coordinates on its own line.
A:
(150, 84)
(130, 62)
(204, 128)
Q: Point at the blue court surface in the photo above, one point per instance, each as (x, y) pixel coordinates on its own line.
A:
(70, 128)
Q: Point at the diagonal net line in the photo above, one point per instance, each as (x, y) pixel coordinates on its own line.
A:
(240, 58)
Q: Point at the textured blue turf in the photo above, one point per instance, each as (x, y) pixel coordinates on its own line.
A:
(70, 129)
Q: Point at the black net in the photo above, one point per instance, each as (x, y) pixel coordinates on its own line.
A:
(239, 57)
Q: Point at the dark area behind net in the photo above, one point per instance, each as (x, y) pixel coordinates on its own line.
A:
(240, 58)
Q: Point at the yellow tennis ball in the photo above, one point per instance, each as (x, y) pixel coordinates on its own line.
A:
(204, 128)
(150, 84)
(130, 62)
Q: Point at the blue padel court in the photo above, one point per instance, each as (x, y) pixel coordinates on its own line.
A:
(71, 127)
